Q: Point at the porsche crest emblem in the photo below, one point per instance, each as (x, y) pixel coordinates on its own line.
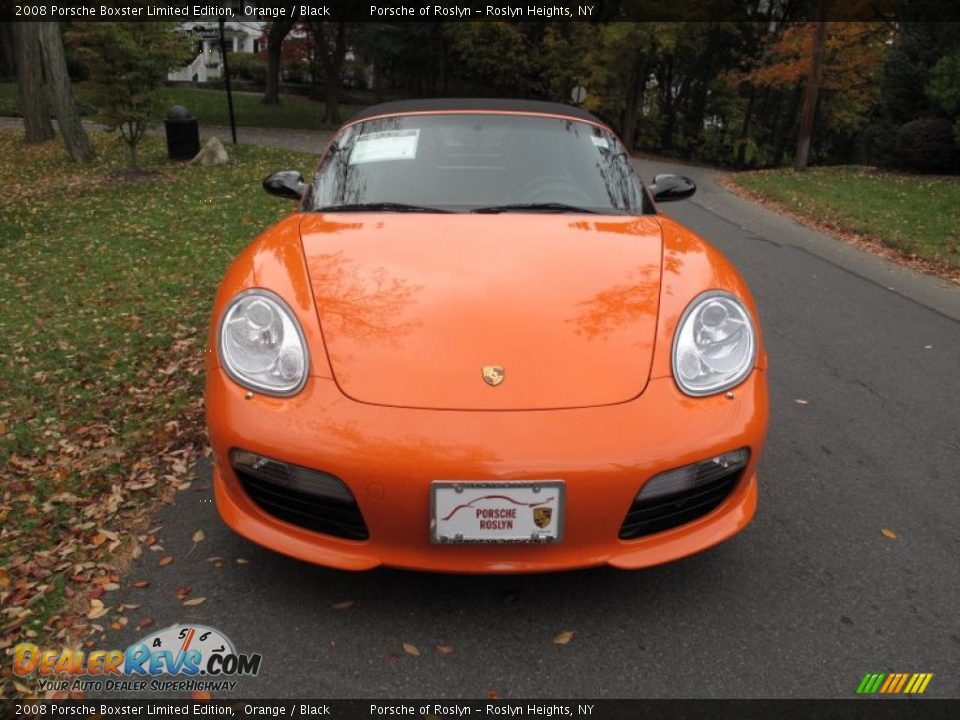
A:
(493, 374)
(542, 516)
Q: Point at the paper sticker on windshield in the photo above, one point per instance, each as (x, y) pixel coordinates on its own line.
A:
(386, 145)
(600, 142)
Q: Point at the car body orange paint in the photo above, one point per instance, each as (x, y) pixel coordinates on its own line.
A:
(401, 311)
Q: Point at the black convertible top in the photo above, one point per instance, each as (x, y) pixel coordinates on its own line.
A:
(401, 107)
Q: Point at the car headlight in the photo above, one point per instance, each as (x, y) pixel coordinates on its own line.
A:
(261, 344)
(715, 346)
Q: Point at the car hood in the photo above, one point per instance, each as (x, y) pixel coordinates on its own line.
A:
(413, 307)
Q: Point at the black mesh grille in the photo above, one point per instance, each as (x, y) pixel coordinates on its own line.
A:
(326, 515)
(657, 514)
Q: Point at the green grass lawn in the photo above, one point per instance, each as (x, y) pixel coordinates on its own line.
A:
(210, 107)
(917, 215)
(106, 284)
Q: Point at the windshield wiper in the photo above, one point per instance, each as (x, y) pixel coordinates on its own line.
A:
(535, 207)
(380, 207)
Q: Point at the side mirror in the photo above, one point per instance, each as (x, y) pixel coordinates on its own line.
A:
(285, 184)
(667, 188)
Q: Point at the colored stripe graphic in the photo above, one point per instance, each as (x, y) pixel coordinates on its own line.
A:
(870, 683)
(893, 683)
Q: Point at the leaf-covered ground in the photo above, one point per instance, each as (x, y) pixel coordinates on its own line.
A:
(916, 216)
(106, 284)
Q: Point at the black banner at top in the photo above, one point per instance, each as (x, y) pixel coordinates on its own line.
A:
(482, 10)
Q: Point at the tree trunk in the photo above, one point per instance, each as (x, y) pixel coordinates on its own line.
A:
(667, 106)
(36, 116)
(333, 57)
(279, 30)
(68, 118)
(786, 127)
(635, 87)
(813, 89)
(745, 130)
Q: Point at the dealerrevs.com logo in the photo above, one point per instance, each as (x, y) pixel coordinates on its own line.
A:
(176, 659)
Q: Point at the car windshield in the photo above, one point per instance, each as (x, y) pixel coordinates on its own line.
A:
(476, 162)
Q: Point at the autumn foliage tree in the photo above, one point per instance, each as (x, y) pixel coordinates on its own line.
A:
(128, 64)
(851, 59)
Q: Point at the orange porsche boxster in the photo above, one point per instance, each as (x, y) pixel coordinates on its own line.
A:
(476, 346)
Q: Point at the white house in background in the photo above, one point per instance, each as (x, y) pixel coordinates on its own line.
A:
(241, 36)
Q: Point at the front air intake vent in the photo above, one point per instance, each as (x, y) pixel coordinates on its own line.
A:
(308, 498)
(680, 496)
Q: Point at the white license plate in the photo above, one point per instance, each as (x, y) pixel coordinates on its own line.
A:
(503, 512)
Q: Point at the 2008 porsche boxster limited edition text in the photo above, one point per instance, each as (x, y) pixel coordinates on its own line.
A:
(476, 346)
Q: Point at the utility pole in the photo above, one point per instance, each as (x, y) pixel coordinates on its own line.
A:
(226, 79)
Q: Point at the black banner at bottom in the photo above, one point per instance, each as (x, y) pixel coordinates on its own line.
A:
(854, 709)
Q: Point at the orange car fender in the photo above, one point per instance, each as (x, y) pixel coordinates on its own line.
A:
(692, 266)
(274, 261)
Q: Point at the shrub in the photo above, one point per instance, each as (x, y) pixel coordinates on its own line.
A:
(246, 66)
(927, 144)
(128, 64)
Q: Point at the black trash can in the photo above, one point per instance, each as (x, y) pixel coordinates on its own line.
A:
(183, 134)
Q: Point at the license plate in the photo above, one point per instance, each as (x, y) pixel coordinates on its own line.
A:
(503, 512)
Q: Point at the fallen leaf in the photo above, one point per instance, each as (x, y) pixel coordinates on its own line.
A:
(119, 623)
(145, 622)
(110, 586)
(198, 536)
(493, 695)
(141, 584)
(411, 649)
(200, 695)
(563, 638)
(4, 579)
(182, 592)
(888, 533)
(444, 649)
(801, 401)
(97, 609)
(242, 561)
(194, 601)
(166, 561)
(343, 605)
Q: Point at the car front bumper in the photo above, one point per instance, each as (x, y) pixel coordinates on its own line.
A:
(389, 456)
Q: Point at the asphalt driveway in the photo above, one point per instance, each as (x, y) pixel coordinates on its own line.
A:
(864, 436)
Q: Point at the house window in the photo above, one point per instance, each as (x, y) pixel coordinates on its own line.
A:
(256, 46)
